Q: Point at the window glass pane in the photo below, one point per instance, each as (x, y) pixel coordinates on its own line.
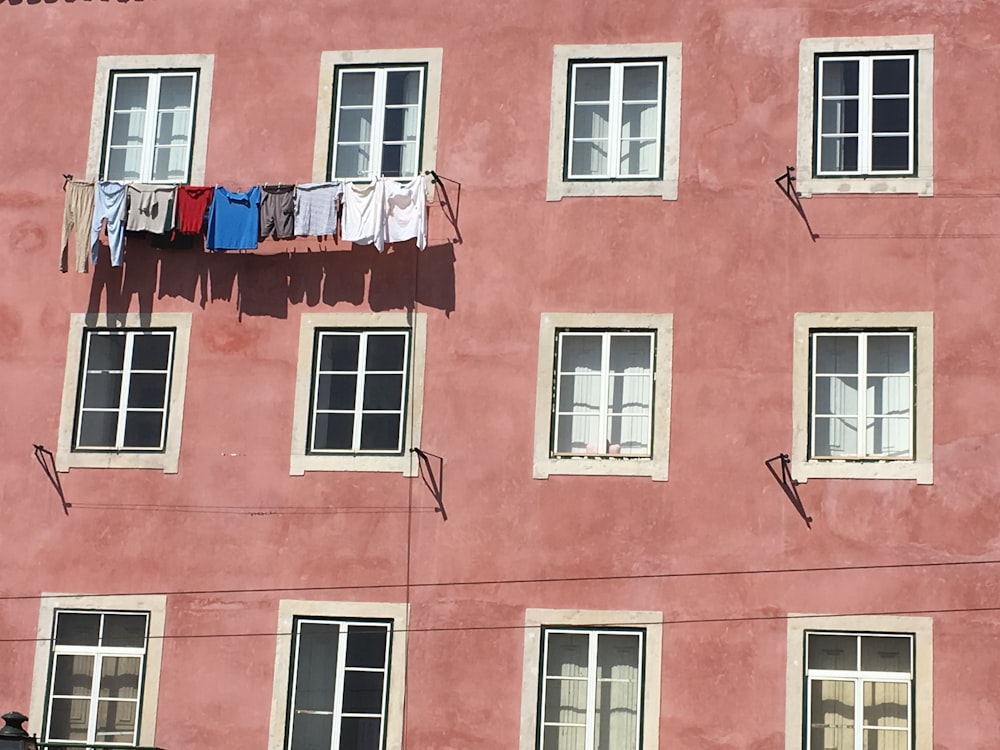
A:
(339, 352)
(592, 84)
(172, 129)
(362, 692)
(115, 721)
(402, 87)
(616, 717)
(839, 154)
(833, 652)
(590, 159)
(124, 631)
(889, 396)
(386, 352)
(359, 733)
(563, 738)
(580, 393)
(891, 116)
(175, 91)
(127, 127)
(891, 153)
(131, 92)
(630, 354)
(74, 675)
(566, 654)
(638, 158)
(628, 436)
(366, 645)
(836, 354)
(889, 353)
(885, 654)
(333, 431)
(579, 353)
(357, 88)
(355, 126)
(124, 164)
(380, 432)
(641, 83)
(884, 739)
(68, 719)
(840, 77)
(352, 161)
(102, 390)
(891, 76)
(831, 710)
(311, 731)
(170, 164)
(147, 390)
(590, 121)
(316, 667)
(98, 429)
(151, 352)
(639, 121)
(401, 124)
(143, 429)
(120, 677)
(888, 437)
(840, 117)
(886, 704)
(336, 392)
(836, 395)
(399, 160)
(579, 433)
(105, 352)
(836, 436)
(383, 392)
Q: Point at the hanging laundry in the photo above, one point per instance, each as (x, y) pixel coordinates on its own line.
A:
(233, 220)
(277, 211)
(77, 215)
(364, 214)
(192, 205)
(406, 211)
(109, 203)
(150, 208)
(316, 206)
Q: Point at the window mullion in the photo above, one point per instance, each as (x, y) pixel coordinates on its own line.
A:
(866, 72)
(616, 97)
(123, 396)
(338, 686)
(149, 132)
(604, 406)
(359, 392)
(95, 682)
(378, 122)
(859, 712)
(590, 733)
(862, 398)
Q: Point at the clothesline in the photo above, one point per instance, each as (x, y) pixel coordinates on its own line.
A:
(380, 212)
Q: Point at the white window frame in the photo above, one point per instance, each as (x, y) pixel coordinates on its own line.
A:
(546, 463)
(109, 66)
(291, 610)
(536, 622)
(152, 605)
(405, 462)
(559, 185)
(920, 182)
(331, 61)
(920, 467)
(919, 629)
(150, 122)
(166, 458)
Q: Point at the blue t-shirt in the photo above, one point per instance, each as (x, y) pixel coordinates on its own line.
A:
(233, 220)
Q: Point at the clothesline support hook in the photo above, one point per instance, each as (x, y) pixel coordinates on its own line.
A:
(66, 178)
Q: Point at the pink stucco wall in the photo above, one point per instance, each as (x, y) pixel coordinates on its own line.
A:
(729, 259)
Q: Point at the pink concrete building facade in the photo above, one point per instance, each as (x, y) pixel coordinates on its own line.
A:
(508, 490)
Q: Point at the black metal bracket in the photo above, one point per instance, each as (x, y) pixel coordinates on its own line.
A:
(450, 212)
(48, 463)
(66, 178)
(434, 483)
(786, 183)
(788, 485)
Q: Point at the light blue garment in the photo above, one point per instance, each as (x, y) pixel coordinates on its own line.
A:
(233, 220)
(109, 203)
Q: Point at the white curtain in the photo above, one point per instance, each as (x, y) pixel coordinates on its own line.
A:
(616, 720)
(566, 675)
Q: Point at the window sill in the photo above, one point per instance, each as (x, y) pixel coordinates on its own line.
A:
(876, 185)
(406, 464)
(920, 471)
(612, 466)
(667, 190)
(66, 460)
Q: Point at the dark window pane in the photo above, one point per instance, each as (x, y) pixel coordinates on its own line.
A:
(102, 390)
(68, 720)
(147, 390)
(891, 76)
(362, 692)
(338, 352)
(386, 352)
(311, 731)
(837, 355)
(392, 161)
(316, 667)
(143, 429)
(383, 392)
(840, 78)
(124, 630)
(357, 88)
(839, 155)
(593, 84)
(151, 351)
(366, 645)
(891, 116)
(402, 87)
(891, 153)
(333, 432)
(840, 116)
(885, 653)
(833, 652)
(74, 675)
(394, 125)
(380, 432)
(106, 351)
(120, 678)
(98, 429)
(336, 392)
(357, 733)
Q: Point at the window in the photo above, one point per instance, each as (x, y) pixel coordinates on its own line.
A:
(124, 393)
(603, 395)
(339, 678)
(865, 115)
(97, 669)
(591, 680)
(863, 405)
(150, 118)
(865, 682)
(359, 392)
(377, 113)
(615, 120)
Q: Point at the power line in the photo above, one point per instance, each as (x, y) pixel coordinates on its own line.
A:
(520, 581)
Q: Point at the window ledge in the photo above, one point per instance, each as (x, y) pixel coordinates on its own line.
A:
(810, 186)
(66, 460)
(654, 468)
(406, 464)
(920, 471)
